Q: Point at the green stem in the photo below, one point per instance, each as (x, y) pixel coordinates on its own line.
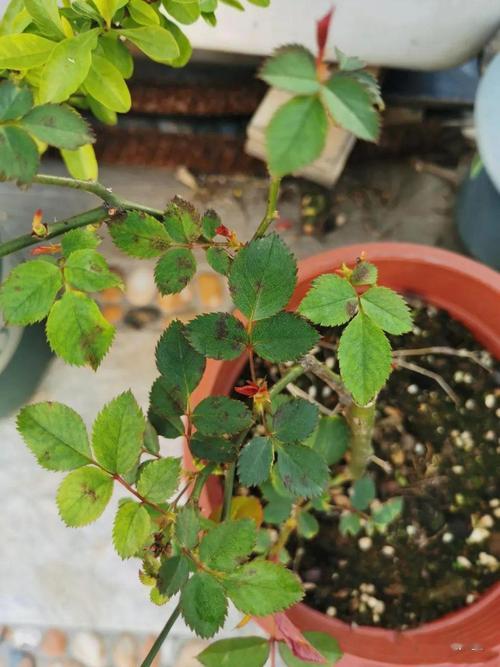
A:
(361, 420)
(149, 659)
(291, 375)
(93, 187)
(272, 203)
(94, 216)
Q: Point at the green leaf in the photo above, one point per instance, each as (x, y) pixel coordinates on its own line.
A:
(183, 44)
(79, 239)
(255, 460)
(77, 332)
(350, 524)
(159, 480)
(182, 221)
(203, 604)
(82, 163)
(67, 67)
(87, 270)
(261, 588)
(19, 158)
(15, 101)
(173, 574)
(59, 126)
(291, 68)
(139, 235)
(351, 106)
(219, 260)
(165, 411)
(184, 11)
(45, 13)
(115, 51)
(101, 112)
(187, 527)
(29, 292)
(131, 528)
(151, 442)
(364, 273)
(209, 224)
(296, 135)
(241, 651)
(217, 335)
(303, 471)
(227, 544)
(388, 511)
(331, 301)
(106, 84)
(307, 525)
(117, 434)
(174, 270)
(108, 8)
(10, 14)
(219, 415)
(263, 277)
(295, 420)
(363, 492)
(348, 63)
(365, 358)
(24, 51)
(212, 448)
(331, 438)
(283, 337)
(387, 309)
(83, 496)
(55, 434)
(156, 42)
(181, 366)
(325, 644)
(143, 13)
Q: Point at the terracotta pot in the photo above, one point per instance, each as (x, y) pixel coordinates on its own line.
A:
(470, 292)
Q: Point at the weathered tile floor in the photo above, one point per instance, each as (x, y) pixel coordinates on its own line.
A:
(66, 600)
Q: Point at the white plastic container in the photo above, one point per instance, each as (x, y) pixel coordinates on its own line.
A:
(413, 34)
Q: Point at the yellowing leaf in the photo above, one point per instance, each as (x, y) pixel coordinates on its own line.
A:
(105, 83)
(82, 163)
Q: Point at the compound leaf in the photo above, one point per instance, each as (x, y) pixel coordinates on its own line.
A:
(351, 106)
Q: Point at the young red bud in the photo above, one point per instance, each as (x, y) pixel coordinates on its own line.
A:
(322, 30)
(52, 249)
(38, 228)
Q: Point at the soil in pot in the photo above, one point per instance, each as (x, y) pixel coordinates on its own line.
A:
(442, 442)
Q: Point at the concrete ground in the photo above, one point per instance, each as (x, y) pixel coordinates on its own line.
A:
(66, 599)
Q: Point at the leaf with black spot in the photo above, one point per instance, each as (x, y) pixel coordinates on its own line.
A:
(303, 471)
(212, 448)
(174, 270)
(182, 221)
(165, 411)
(283, 337)
(219, 415)
(217, 335)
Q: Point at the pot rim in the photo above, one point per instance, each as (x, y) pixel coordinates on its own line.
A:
(363, 644)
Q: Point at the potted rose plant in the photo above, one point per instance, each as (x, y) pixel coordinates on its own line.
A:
(270, 463)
